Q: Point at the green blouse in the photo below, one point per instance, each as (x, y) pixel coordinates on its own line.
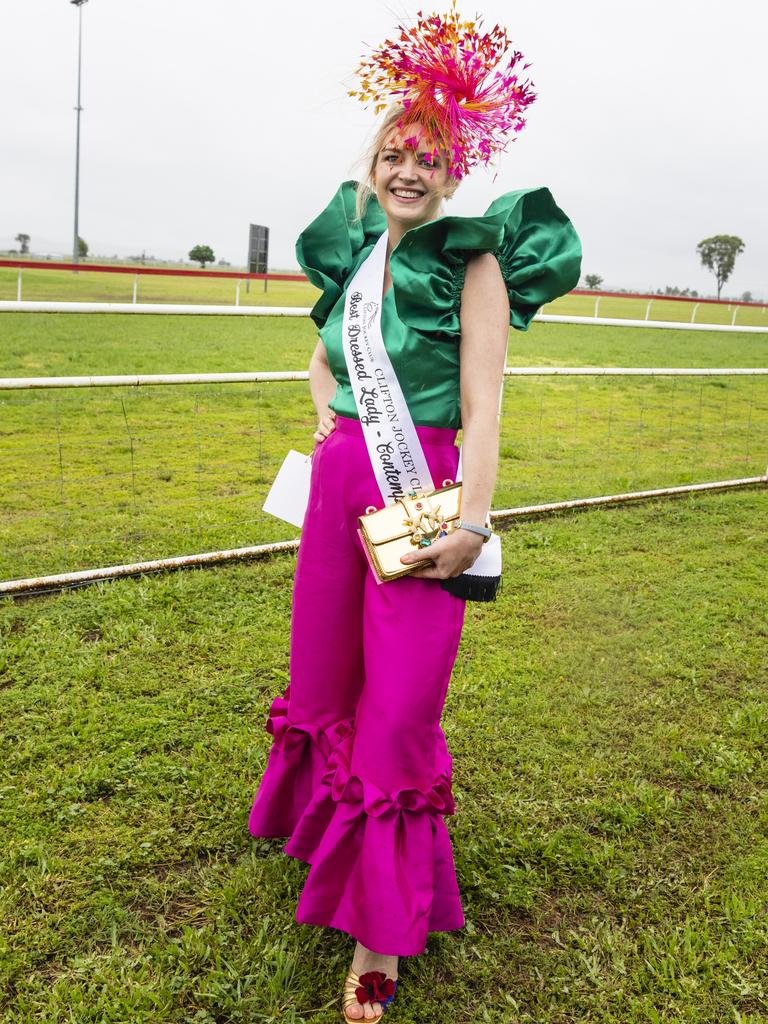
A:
(538, 251)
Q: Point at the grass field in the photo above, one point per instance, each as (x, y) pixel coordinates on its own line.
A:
(608, 716)
(65, 285)
(98, 476)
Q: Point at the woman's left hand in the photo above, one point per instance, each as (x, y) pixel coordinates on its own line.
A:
(450, 556)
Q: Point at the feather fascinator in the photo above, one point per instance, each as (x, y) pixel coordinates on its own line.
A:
(460, 83)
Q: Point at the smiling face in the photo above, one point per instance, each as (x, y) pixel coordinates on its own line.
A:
(410, 177)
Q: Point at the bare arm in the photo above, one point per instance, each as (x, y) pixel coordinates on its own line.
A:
(484, 334)
(322, 387)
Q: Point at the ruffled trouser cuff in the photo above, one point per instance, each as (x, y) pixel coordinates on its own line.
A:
(381, 864)
(297, 761)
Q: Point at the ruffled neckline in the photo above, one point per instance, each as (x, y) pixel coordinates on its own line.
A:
(537, 248)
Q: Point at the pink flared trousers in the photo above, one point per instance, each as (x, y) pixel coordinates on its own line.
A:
(359, 774)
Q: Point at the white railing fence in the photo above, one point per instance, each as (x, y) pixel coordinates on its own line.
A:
(188, 309)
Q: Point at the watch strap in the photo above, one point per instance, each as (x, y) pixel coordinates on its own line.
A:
(483, 531)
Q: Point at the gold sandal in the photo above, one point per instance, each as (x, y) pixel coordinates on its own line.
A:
(372, 987)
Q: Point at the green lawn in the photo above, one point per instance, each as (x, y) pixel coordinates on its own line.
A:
(98, 476)
(92, 286)
(608, 716)
(608, 720)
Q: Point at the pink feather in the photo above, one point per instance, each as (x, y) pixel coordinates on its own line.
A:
(460, 84)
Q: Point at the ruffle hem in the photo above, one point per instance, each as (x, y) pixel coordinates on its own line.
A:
(381, 864)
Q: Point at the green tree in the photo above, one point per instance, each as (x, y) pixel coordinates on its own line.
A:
(202, 254)
(23, 241)
(718, 254)
(82, 247)
(593, 281)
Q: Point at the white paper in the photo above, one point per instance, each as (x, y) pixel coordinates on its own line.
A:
(488, 562)
(289, 494)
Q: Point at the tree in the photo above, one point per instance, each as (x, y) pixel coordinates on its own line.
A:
(593, 280)
(747, 297)
(202, 254)
(23, 241)
(682, 292)
(718, 254)
(82, 247)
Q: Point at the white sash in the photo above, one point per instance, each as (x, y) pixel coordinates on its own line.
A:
(390, 435)
(394, 447)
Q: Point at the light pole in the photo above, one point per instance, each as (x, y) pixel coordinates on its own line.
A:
(78, 108)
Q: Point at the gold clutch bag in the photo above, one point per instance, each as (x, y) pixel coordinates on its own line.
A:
(413, 522)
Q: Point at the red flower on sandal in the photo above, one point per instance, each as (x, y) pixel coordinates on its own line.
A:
(375, 987)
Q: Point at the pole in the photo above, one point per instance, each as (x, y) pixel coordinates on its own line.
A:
(78, 108)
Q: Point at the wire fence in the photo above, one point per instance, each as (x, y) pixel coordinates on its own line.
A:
(116, 474)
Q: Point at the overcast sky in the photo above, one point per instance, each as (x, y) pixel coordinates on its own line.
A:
(650, 125)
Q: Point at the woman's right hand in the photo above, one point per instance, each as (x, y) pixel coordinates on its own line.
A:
(326, 426)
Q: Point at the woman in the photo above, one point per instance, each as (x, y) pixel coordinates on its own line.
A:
(359, 775)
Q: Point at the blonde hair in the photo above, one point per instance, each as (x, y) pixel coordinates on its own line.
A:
(369, 158)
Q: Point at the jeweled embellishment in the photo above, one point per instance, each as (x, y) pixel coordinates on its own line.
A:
(426, 526)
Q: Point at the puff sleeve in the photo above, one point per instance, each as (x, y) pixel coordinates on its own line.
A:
(328, 249)
(537, 247)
